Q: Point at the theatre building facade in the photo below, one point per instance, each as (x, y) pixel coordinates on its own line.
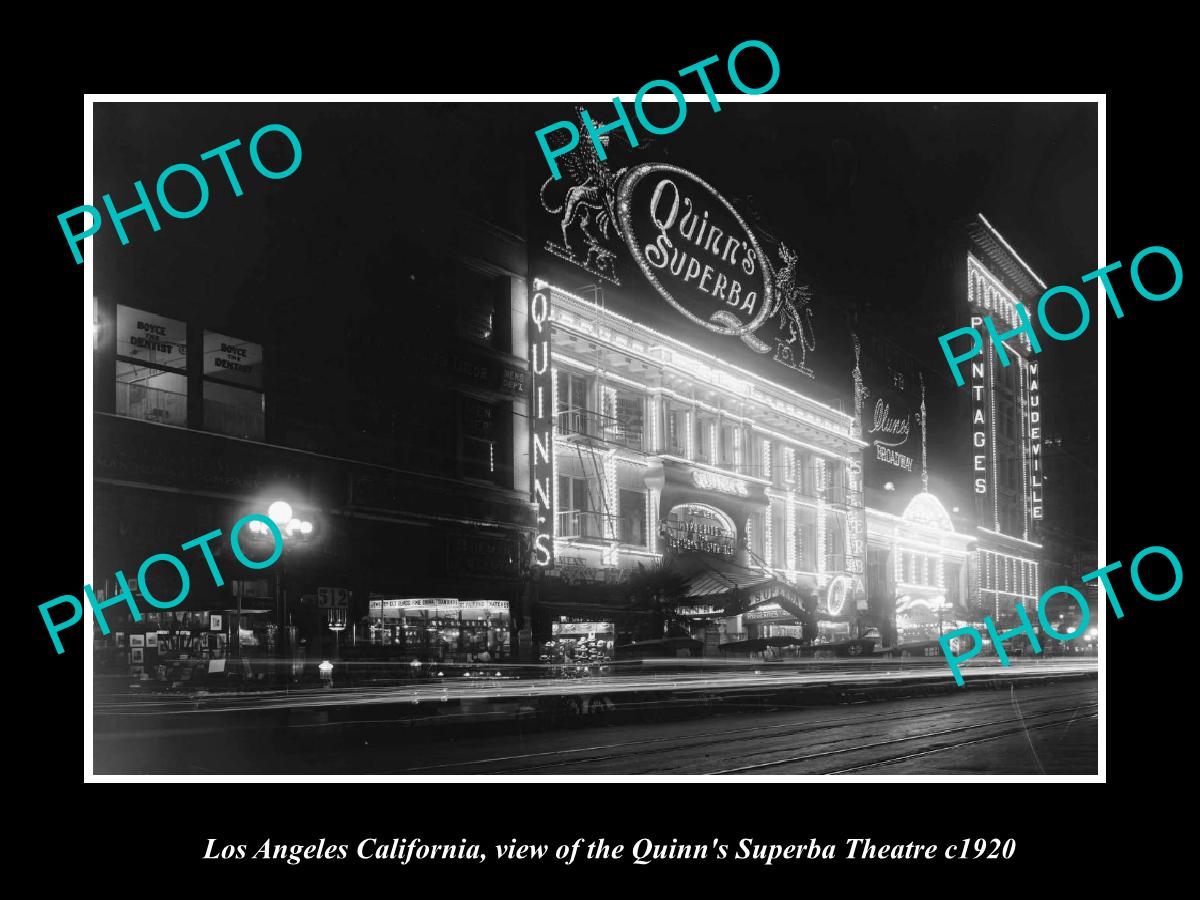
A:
(722, 461)
(696, 468)
(664, 457)
(1002, 414)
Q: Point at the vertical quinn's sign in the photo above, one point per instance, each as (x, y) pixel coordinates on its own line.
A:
(541, 427)
(1035, 442)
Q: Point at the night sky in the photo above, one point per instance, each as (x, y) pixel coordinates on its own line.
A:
(864, 193)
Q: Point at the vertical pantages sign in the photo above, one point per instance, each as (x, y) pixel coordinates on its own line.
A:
(541, 427)
(979, 421)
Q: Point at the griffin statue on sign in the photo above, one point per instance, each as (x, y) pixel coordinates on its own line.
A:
(590, 200)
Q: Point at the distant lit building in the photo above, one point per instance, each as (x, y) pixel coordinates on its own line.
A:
(1003, 423)
(917, 561)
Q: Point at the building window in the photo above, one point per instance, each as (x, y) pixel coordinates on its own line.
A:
(234, 411)
(151, 394)
(835, 472)
(752, 458)
(806, 539)
(728, 449)
(629, 413)
(483, 303)
(233, 380)
(706, 433)
(151, 373)
(577, 516)
(479, 426)
(633, 518)
(778, 536)
(806, 474)
(675, 428)
(573, 408)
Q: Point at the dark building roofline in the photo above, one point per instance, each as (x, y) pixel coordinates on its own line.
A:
(1003, 258)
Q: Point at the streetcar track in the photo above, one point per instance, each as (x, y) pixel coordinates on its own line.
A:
(710, 738)
(983, 740)
(844, 750)
(746, 730)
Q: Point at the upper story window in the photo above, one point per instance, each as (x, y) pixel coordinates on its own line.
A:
(485, 437)
(629, 412)
(806, 539)
(835, 475)
(675, 428)
(752, 460)
(233, 386)
(573, 393)
(779, 536)
(483, 303)
(706, 437)
(151, 367)
(806, 474)
(730, 450)
(633, 517)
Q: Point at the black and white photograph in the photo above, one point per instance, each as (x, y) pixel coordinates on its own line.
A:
(467, 438)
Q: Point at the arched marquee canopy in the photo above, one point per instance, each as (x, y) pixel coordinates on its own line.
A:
(926, 509)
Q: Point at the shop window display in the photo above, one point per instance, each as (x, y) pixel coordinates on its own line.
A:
(577, 643)
(177, 646)
(441, 629)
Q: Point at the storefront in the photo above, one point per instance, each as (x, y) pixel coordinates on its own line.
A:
(178, 646)
(577, 641)
(918, 570)
(440, 629)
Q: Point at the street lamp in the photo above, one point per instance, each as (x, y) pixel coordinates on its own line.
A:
(280, 512)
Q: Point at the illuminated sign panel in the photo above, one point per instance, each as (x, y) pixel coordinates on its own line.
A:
(717, 286)
(151, 338)
(694, 248)
(979, 420)
(714, 481)
(856, 520)
(888, 407)
(1035, 442)
(700, 529)
(887, 428)
(541, 427)
(233, 359)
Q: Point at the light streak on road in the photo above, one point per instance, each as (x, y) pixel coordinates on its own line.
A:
(489, 687)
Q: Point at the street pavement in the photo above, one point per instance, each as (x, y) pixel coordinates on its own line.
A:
(1035, 717)
(494, 683)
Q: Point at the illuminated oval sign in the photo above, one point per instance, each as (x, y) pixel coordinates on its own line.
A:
(694, 248)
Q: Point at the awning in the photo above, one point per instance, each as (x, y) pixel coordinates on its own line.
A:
(717, 581)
